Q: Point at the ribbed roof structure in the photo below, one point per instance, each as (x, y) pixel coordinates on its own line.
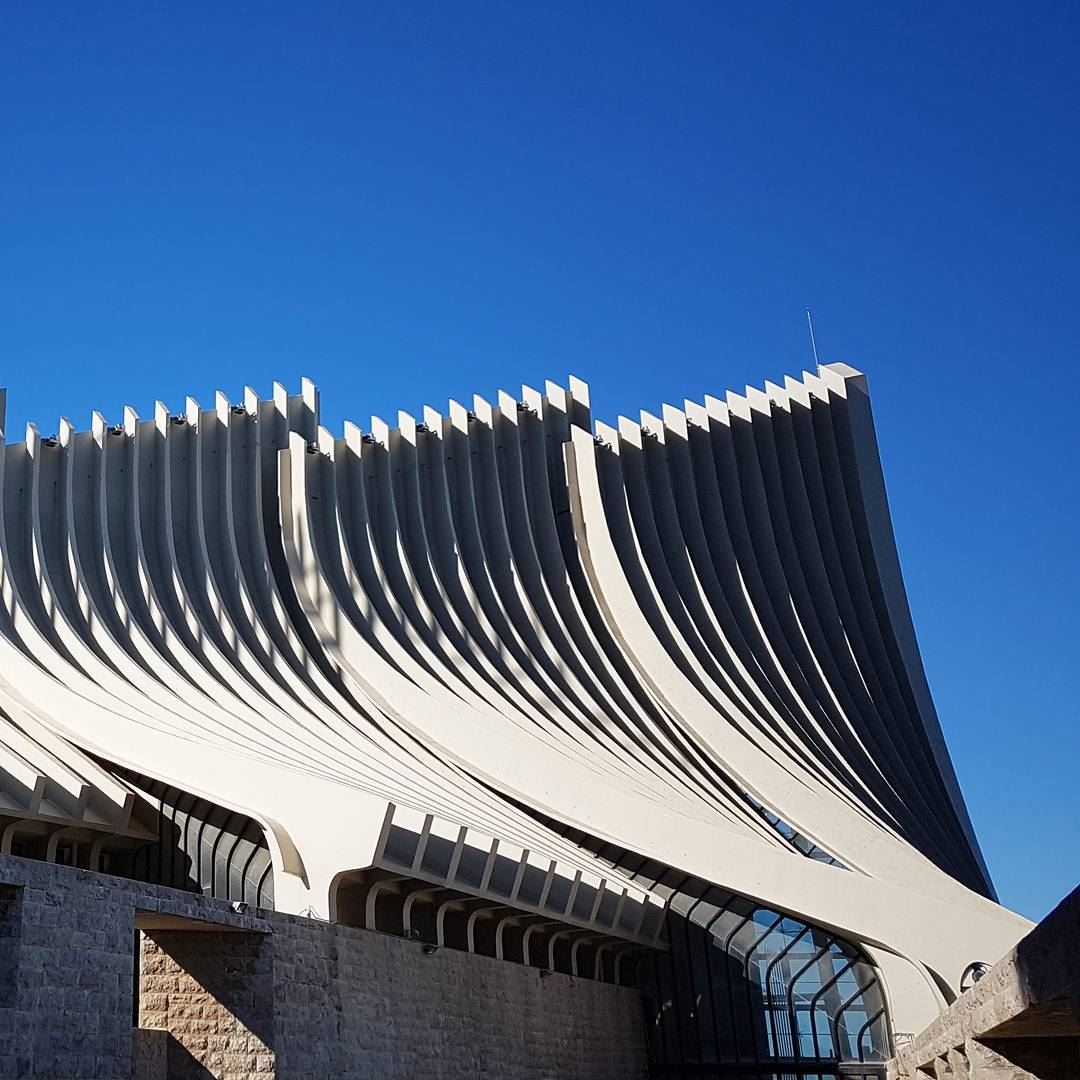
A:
(436, 655)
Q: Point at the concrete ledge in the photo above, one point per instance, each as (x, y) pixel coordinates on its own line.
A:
(1024, 1014)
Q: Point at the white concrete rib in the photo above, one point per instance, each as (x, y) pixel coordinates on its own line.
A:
(657, 633)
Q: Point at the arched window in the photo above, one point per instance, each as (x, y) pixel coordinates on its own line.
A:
(745, 986)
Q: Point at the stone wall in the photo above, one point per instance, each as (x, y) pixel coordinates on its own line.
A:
(354, 1003)
(67, 943)
(214, 993)
(256, 997)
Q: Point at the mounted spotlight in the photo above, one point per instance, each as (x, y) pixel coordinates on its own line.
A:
(972, 974)
(240, 907)
(429, 949)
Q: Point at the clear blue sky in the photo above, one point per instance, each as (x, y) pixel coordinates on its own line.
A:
(433, 200)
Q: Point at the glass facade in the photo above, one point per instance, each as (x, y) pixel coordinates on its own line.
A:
(201, 847)
(748, 991)
(753, 992)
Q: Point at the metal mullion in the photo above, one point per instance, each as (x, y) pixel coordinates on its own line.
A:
(834, 1021)
(731, 987)
(746, 972)
(814, 999)
(768, 977)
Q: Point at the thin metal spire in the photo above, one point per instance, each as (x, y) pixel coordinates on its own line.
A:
(813, 340)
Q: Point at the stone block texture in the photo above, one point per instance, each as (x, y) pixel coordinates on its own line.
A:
(67, 951)
(354, 1003)
(214, 993)
(67, 948)
(256, 997)
(150, 1054)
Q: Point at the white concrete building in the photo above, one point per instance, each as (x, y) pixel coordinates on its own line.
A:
(638, 703)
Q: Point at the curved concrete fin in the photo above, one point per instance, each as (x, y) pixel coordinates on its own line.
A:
(492, 639)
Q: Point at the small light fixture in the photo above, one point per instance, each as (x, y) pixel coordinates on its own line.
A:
(240, 907)
(429, 949)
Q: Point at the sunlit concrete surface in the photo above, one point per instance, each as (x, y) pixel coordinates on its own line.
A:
(506, 680)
